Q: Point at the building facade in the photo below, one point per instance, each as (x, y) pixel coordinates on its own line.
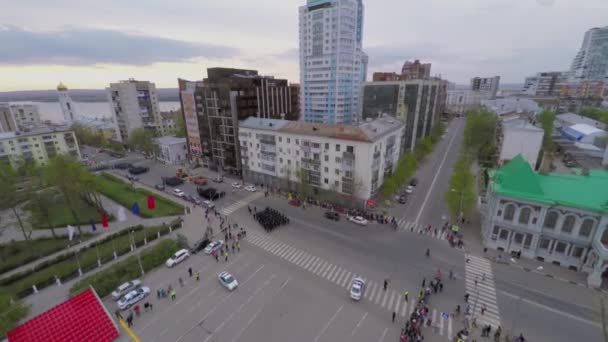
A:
(416, 70)
(520, 138)
(133, 104)
(332, 63)
(416, 102)
(591, 61)
(38, 145)
(557, 218)
(349, 160)
(213, 107)
(545, 83)
(67, 105)
(19, 117)
(584, 89)
(486, 84)
(171, 150)
(460, 101)
(7, 120)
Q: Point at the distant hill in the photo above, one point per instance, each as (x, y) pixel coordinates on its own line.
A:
(78, 95)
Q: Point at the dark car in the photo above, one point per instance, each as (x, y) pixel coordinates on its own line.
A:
(210, 193)
(218, 179)
(414, 182)
(402, 199)
(173, 181)
(332, 215)
(199, 245)
(123, 166)
(132, 178)
(138, 170)
(160, 187)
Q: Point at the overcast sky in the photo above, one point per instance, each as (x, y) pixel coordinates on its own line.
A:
(88, 44)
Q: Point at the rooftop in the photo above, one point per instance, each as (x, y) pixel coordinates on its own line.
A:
(516, 179)
(170, 140)
(35, 131)
(368, 131)
(586, 129)
(519, 124)
(573, 119)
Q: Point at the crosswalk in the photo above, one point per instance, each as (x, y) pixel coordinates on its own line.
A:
(239, 204)
(390, 300)
(481, 290)
(412, 226)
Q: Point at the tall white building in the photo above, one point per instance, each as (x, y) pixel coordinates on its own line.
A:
(591, 62)
(545, 83)
(19, 117)
(133, 104)
(351, 160)
(67, 106)
(332, 64)
(486, 84)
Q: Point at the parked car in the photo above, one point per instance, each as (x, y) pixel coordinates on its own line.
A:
(210, 193)
(160, 187)
(177, 257)
(138, 170)
(199, 245)
(172, 181)
(178, 193)
(358, 220)
(132, 178)
(125, 288)
(413, 182)
(237, 185)
(208, 204)
(196, 200)
(402, 199)
(357, 288)
(250, 188)
(409, 189)
(133, 297)
(332, 215)
(227, 280)
(214, 246)
(218, 179)
(199, 180)
(123, 166)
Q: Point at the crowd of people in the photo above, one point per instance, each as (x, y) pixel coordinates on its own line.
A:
(412, 331)
(269, 218)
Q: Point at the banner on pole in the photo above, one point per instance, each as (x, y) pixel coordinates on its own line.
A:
(135, 208)
(104, 220)
(150, 202)
(70, 232)
(93, 228)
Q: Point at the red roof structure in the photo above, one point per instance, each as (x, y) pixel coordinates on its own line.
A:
(80, 318)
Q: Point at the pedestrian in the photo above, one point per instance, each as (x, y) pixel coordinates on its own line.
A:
(136, 310)
(476, 278)
(233, 247)
(466, 297)
(158, 294)
(238, 246)
(483, 277)
(130, 319)
(440, 287)
(117, 313)
(146, 306)
(190, 271)
(172, 294)
(226, 256)
(394, 315)
(405, 294)
(423, 282)
(385, 284)
(483, 309)
(451, 275)
(198, 275)
(181, 281)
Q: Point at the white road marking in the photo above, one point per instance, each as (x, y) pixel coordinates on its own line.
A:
(336, 274)
(295, 257)
(384, 298)
(397, 303)
(328, 324)
(450, 328)
(345, 279)
(383, 334)
(404, 308)
(441, 323)
(329, 272)
(371, 293)
(358, 324)
(390, 302)
(322, 264)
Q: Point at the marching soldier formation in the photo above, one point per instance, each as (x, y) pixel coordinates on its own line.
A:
(270, 218)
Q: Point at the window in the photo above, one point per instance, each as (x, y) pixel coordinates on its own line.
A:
(560, 247)
(297, 141)
(337, 172)
(518, 238)
(288, 140)
(337, 184)
(577, 251)
(509, 212)
(568, 224)
(551, 220)
(524, 215)
(504, 234)
(337, 147)
(586, 227)
(281, 160)
(544, 243)
(326, 181)
(528, 241)
(327, 146)
(495, 232)
(288, 161)
(326, 169)
(338, 160)
(326, 158)
(350, 149)
(280, 139)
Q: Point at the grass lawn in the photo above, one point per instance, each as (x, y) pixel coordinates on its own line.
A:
(61, 216)
(122, 192)
(15, 254)
(86, 258)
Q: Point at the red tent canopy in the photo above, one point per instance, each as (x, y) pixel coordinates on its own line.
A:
(80, 318)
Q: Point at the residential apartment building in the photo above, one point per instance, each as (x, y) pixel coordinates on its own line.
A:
(419, 103)
(350, 160)
(67, 105)
(171, 150)
(7, 120)
(557, 218)
(415, 70)
(584, 89)
(460, 101)
(332, 63)
(213, 107)
(134, 104)
(294, 98)
(19, 116)
(38, 145)
(486, 84)
(545, 83)
(168, 120)
(591, 61)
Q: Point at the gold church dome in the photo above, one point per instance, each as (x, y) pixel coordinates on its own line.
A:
(62, 87)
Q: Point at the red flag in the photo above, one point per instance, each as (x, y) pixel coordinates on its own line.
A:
(150, 202)
(104, 220)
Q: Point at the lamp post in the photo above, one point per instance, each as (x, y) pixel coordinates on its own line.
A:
(518, 303)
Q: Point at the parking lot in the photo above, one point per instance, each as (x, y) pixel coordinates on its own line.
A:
(275, 301)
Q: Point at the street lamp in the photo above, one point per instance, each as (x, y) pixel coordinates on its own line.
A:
(517, 304)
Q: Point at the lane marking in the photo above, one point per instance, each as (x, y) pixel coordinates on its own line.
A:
(383, 334)
(358, 324)
(328, 324)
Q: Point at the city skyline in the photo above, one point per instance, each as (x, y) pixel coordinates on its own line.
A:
(98, 43)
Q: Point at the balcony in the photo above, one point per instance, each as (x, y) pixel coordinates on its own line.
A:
(348, 156)
(376, 155)
(268, 141)
(316, 162)
(268, 148)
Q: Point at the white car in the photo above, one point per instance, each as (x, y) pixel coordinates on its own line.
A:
(357, 288)
(126, 288)
(178, 257)
(237, 185)
(178, 193)
(133, 297)
(208, 204)
(214, 246)
(227, 280)
(250, 188)
(409, 189)
(358, 220)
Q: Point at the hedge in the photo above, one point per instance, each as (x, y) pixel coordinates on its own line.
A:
(109, 279)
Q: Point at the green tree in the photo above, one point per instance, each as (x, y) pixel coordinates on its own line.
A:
(304, 187)
(460, 195)
(546, 119)
(180, 126)
(595, 113)
(11, 312)
(40, 203)
(10, 198)
(86, 136)
(141, 140)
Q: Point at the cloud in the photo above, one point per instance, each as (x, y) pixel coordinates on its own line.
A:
(545, 2)
(97, 46)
